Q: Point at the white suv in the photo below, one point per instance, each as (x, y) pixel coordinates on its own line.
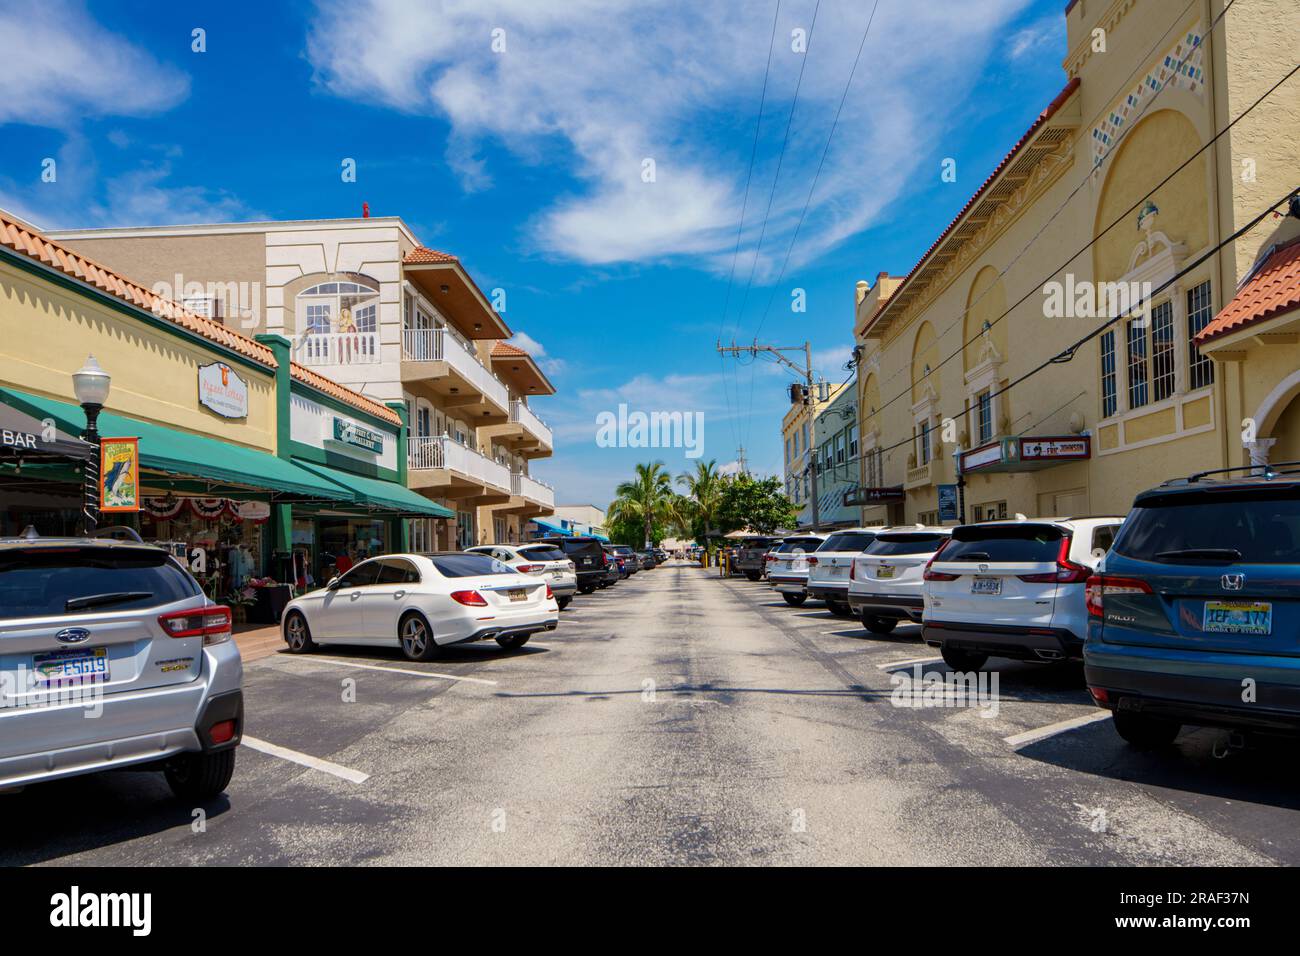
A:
(830, 566)
(1013, 589)
(787, 566)
(541, 559)
(887, 581)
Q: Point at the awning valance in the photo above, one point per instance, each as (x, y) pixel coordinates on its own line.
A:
(378, 494)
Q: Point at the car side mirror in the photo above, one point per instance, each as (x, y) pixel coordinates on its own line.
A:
(332, 584)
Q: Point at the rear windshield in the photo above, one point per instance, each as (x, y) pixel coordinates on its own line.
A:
(799, 544)
(888, 545)
(581, 546)
(1039, 543)
(1252, 527)
(44, 581)
(546, 553)
(468, 565)
(758, 542)
(848, 541)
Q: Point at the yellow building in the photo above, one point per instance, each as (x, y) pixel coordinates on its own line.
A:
(1118, 195)
(796, 438)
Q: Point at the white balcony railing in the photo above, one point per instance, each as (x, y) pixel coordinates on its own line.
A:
(437, 345)
(532, 489)
(521, 413)
(337, 348)
(442, 451)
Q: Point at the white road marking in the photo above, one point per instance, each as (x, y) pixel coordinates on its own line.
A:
(306, 760)
(396, 670)
(1017, 741)
(892, 665)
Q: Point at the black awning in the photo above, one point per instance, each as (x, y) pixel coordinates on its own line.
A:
(26, 437)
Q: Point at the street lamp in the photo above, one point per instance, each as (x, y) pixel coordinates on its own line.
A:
(90, 384)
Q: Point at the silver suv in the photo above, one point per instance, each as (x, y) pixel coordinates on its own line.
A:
(111, 656)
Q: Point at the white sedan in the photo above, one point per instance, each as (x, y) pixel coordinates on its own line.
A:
(422, 602)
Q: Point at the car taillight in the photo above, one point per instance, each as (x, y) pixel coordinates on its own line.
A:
(212, 623)
(853, 570)
(1067, 571)
(929, 575)
(222, 731)
(1099, 585)
(768, 557)
(469, 598)
(549, 595)
(812, 562)
(529, 568)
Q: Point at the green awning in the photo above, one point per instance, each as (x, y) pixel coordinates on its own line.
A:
(378, 493)
(175, 452)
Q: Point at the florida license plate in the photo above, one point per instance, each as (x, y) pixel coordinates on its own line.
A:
(71, 668)
(986, 586)
(884, 571)
(518, 594)
(1238, 617)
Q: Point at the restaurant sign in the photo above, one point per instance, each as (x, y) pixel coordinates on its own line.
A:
(874, 496)
(222, 390)
(1027, 454)
(350, 433)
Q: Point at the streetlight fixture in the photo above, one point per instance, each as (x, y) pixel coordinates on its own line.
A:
(90, 384)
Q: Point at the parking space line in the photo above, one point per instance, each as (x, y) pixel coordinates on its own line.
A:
(908, 663)
(1016, 741)
(398, 670)
(305, 760)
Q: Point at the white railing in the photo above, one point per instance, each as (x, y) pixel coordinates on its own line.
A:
(337, 348)
(532, 489)
(521, 413)
(439, 345)
(442, 451)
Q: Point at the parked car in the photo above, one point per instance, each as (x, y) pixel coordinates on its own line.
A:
(648, 561)
(787, 566)
(829, 567)
(1013, 589)
(1197, 602)
(660, 554)
(613, 570)
(546, 561)
(887, 581)
(618, 563)
(751, 554)
(631, 563)
(422, 603)
(587, 556)
(117, 625)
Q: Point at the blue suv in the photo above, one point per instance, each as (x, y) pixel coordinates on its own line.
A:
(1194, 616)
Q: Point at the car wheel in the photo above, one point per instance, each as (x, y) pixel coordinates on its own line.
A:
(879, 625)
(794, 600)
(297, 634)
(1144, 731)
(417, 638)
(963, 660)
(200, 776)
(752, 575)
(562, 602)
(514, 641)
(839, 609)
(585, 590)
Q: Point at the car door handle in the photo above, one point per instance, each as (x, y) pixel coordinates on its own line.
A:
(399, 594)
(355, 595)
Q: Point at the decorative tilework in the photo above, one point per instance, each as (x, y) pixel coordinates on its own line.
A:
(1180, 67)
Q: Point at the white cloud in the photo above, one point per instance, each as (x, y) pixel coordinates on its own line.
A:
(598, 87)
(60, 67)
(546, 362)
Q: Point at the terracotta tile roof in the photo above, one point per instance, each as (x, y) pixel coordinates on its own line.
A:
(1052, 107)
(421, 254)
(18, 237)
(506, 350)
(27, 241)
(1273, 289)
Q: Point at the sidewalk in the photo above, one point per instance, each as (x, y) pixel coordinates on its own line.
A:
(256, 641)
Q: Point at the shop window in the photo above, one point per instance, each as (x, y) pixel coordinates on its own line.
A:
(1109, 381)
(929, 518)
(1136, 340)
(1162, 351)
(465, 531)
(1200, 310)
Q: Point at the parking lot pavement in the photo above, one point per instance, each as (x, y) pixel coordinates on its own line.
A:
(675, 718)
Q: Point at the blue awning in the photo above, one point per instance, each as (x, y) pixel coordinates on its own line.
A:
(552, 528)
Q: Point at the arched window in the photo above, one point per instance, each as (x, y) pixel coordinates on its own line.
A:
(339, 323)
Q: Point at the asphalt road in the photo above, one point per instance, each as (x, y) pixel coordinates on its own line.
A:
(674, 719)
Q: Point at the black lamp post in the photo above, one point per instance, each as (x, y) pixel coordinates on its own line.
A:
(90, 383)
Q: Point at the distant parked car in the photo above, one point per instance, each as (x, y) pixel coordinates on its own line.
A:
(546, 561)
(750, 555)
(631, 564)
(648, 561)
(830, 566)
(422, 603)
(887, 581)
(1198, 601)
(787, 566)
(587, 556)
(1013, 589)
(119, 626)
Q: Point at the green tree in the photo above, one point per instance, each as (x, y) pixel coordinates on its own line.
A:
(755, 503)
(647, 500)
(698, 512)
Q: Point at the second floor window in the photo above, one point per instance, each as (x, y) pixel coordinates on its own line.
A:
(1136, 341)
(984, 416)
(1199, 312)
(1109, 375)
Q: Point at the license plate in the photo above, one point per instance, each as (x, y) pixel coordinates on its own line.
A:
(835, 572)
(518, 594)
(986, 586)
(884, 571)
(71, 668)
(557, 574)
(1238, 617)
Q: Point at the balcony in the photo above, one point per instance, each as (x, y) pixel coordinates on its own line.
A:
(444, 367)
(536, 431)
(456, 471)
(337, 348)
(533, 490)
(920, 476)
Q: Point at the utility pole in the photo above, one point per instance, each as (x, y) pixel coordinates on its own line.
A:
(809, 399)
(740, 460)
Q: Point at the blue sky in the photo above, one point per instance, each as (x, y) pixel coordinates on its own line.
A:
(528, 161)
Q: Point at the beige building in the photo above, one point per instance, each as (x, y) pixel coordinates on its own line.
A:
(797, 436)
(365, 304)
(1118, 188)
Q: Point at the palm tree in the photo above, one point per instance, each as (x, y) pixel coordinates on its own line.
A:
(645, 499)
(704, 494)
